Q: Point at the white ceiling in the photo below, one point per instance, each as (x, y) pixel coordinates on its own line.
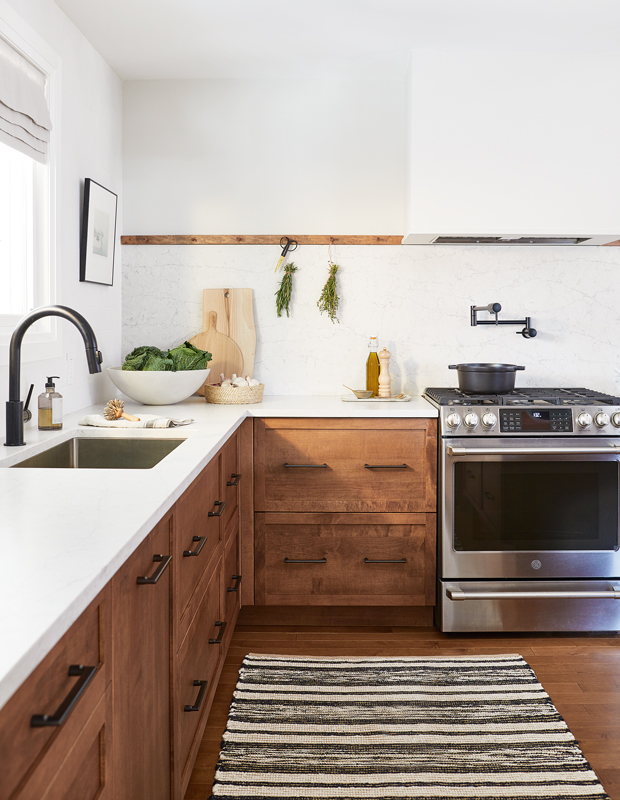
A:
(184, 39)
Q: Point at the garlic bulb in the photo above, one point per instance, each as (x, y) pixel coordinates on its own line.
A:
(253, 382)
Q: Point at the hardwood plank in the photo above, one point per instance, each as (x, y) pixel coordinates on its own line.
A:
(170, 239)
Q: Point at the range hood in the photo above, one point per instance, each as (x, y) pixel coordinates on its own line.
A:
(512, 148)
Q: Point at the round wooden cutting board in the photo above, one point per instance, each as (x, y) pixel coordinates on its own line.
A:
(227, 356)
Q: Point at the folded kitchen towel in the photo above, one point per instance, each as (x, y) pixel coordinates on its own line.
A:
(146, 421)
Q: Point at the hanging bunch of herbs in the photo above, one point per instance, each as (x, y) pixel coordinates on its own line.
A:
(283, 295)
(328, 301)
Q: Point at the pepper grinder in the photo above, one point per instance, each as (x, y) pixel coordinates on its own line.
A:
(385, 379)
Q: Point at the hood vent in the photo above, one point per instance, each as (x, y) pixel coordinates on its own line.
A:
(517, 141)
(531, 240)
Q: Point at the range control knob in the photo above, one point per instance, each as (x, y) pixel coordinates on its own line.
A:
(584, 419)
(615, 420)
(601, 419)
(489, 420)
(454, 420)
(471, 420)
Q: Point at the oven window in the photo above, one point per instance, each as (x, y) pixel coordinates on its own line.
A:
(537, 505)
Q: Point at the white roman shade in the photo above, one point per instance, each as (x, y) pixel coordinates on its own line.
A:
(25, 122)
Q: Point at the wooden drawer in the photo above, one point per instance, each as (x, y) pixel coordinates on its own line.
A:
(344, 559)
(378, 465)
(81, 771)
(86, 643)
(232, 479)
(141, 762)
(197, 660)
(231, 585)
(197, 532)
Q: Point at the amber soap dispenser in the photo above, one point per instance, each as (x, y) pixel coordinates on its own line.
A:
(50, 407)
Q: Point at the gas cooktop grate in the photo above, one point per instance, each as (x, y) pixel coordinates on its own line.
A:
(559, 397)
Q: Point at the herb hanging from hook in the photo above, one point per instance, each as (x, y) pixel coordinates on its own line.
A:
(283, 295)
(328, 301)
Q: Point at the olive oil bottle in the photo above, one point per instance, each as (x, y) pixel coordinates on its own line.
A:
(372, 368)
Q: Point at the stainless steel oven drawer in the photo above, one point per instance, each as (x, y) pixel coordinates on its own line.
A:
(492, 606)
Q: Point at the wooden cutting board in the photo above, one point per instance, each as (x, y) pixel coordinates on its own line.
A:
(227, 356)
(235, 318)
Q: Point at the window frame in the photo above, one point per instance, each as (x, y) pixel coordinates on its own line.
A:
(42, 339)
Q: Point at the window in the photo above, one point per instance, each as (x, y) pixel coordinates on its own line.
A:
(27, 185)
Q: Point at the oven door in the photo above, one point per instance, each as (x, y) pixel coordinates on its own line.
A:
(530, 508)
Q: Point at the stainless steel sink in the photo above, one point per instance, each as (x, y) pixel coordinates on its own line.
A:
(84, 453)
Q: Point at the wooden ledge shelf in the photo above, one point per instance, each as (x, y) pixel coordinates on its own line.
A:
(171, 239)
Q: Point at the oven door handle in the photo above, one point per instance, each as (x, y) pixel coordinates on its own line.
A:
(459, 594)
(453, 450)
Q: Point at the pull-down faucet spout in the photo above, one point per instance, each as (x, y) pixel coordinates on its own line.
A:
(14, 406)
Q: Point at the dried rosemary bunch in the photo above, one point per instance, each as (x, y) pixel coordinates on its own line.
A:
(328, 302)
(283, 295)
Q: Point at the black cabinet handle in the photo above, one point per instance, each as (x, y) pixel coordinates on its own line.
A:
(221, 506)
(85, 674)
(305, 561)
(222, 627)
(201, 696)
(306, 466)
(235, 482)
(165, 560)
(235, 588)
(385, 466)
(198, 550)
(385, 561)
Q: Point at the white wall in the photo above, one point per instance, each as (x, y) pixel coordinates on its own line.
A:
(90, 123)
(252, 157)
(416, 299)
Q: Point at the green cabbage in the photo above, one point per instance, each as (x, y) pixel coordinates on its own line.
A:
(181, 358)
(186, 356)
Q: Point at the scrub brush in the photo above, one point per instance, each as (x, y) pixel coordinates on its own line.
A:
(114, 410)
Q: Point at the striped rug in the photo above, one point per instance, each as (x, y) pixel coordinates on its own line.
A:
(439, 727)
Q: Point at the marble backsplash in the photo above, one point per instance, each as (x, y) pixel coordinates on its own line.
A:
(415, 299)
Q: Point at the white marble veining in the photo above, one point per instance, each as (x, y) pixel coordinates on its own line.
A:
(64, 533)
(416, 299)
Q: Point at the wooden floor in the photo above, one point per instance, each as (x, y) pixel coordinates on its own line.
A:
(581, 674)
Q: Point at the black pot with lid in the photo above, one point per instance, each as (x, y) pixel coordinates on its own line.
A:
(486, 378)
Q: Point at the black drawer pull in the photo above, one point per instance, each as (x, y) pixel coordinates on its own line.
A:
(218, 513)
(235, 482)
(306, 466)
(235, 588)
(197, 551)
(305, 561)
(85, 674)
(165, 560)
(385, 561)
(385, 466)
(222, 627)
(201, 696)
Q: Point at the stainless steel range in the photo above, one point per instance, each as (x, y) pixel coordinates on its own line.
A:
(529, 510)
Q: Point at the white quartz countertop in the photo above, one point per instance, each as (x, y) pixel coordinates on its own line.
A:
(64, 533)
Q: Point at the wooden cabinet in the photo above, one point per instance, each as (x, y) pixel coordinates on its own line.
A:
(198, 535)
(231, 479)
(346, 465)
(61, 716)
(345, 559)
(141, 622)
(197, 667)
(345, 512)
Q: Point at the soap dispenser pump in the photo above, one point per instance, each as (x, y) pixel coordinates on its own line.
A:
(50, 407)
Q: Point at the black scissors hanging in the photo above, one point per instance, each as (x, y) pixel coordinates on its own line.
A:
(287, 245)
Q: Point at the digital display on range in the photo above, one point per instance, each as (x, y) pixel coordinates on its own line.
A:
(536, 420)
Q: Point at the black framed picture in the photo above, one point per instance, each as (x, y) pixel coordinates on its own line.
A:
(98, 237)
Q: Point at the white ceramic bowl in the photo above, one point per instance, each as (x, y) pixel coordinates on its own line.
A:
(158, 388)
